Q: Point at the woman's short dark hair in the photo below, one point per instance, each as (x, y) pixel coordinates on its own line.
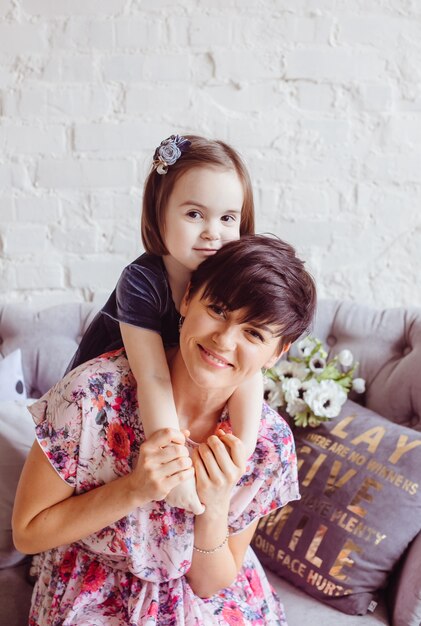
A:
(263, 275)
(201, 153)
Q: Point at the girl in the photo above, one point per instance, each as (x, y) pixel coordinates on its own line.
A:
(197, 197)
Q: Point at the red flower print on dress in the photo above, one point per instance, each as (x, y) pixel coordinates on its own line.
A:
(232, 614)
(94, 578)
(67, 565)
(118, 440)
(255, 583)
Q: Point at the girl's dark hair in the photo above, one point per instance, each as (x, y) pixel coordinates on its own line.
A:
(201, 153)
(263, 276)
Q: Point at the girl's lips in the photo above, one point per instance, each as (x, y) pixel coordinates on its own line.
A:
(213, 359)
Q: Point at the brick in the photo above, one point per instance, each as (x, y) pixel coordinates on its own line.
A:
(123, 68)
(330, 131)
(7, 209)
(81, 34)
(167, 67)
(334, 64)
(39, 275)
(45, 210)
(247, 65)
(85, 173)
(52, 8)
(212, 31)
(178, 31)
(123, 206)
(400, 168)
(376, 30)
(13, 175)
(375, 96)
(119, 137)
(62, 102)
(148, 99)
(6, 7)
(96, 272)
(138, 33)
(76, 240)
(23, 240)
(32, 139)
(400, 132)
(314, 96)
(12, 36)
(259, 96)
(70, 68)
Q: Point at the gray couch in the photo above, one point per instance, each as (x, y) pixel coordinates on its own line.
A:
(386, 343)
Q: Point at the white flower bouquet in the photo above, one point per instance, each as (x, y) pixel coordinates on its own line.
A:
(311, 388)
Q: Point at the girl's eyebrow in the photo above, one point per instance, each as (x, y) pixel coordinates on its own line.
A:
(203, 206)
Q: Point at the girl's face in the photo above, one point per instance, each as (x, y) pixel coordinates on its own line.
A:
(203, 213)
(219, 350)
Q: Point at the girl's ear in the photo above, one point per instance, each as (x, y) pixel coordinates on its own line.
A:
(277, 355)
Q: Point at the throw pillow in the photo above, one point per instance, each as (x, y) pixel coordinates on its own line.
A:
(360, 508)
(12, 386)
(407, 600)
(17, 434)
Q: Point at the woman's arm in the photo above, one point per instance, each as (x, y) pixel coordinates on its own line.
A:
(219, 463)
(245, 410)
(48, 514)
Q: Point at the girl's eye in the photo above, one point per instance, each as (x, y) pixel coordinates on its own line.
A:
(195, 215)
(228, 218)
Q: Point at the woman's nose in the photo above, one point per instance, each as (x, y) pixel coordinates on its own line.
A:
(225, 339)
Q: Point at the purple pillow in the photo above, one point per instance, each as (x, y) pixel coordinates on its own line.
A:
(360, 508)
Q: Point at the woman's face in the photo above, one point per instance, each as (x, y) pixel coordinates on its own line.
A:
(221, 351)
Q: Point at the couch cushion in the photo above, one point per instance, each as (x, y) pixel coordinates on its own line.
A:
(360, 508)
(12, 386)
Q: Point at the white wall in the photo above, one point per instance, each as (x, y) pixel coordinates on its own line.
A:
(323, 99)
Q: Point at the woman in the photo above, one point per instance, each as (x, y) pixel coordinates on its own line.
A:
(90, 495)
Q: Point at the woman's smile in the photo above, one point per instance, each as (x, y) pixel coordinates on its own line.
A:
(212, 358)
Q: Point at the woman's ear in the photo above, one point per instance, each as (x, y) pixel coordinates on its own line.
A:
(277, 355)
(184, 304)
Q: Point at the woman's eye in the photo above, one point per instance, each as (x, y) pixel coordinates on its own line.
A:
(218, 310)
(256, 335)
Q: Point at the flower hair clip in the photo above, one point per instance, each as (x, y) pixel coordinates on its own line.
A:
(169, 151)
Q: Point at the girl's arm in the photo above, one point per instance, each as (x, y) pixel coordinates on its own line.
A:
(148, 362)
(48, 514)
(219, 463)
(245, 410)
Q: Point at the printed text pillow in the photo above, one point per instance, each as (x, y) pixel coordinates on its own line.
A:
(360, 481)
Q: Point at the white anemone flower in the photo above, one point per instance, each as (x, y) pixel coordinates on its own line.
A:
(273, 394)
(290, 369)
(326, 398)
(317, 363)
(358, 385)
(294, 392)
(346, 358)
(306, 346)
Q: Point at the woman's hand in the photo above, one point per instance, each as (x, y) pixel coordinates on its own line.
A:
(219, 463)
(163, 463)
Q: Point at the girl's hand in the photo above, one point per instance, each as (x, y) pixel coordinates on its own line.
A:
(163, 463)
(219, 463)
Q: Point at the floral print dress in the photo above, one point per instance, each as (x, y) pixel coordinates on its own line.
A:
(133, 571)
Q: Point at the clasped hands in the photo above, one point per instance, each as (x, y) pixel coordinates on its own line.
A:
(164, 462)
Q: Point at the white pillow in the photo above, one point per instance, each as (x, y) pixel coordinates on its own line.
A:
(12, 385)
(17, 434)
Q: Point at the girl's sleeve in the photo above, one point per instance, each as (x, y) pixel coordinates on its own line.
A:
(271, 478)
(140, 297)
(58, 424)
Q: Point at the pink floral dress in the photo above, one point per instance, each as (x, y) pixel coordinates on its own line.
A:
(133, 571)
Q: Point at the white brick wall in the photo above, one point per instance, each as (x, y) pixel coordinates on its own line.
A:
(322, 98)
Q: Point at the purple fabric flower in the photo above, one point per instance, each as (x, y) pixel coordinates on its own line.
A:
(169, 151)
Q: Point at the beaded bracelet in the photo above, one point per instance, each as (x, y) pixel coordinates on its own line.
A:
(213, 549)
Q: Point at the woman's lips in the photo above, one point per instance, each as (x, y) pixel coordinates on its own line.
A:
(213, 359)
(206, 251)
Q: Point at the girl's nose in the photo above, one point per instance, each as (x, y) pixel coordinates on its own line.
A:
(210, 231)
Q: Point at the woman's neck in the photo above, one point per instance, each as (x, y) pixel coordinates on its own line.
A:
(198, 409)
